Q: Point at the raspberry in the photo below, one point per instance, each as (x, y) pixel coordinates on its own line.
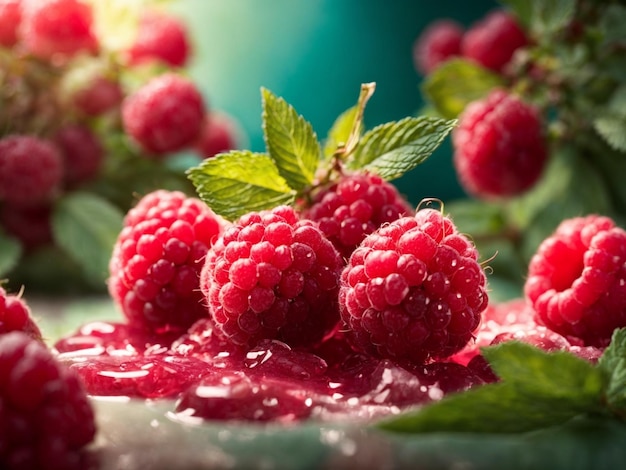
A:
(57, 27)
(46, 417)
(499, 146)
(492, 41)
(354, 207)
(576, 279)
(156, 261)
(440, 41)
(82, 153)
(10, 19)
(275, 277)
(413, 290)
(32, 226)
(165, 114)
(100, 95)
(160, 37)
(15, 315)
(31, 170)
(219, 134)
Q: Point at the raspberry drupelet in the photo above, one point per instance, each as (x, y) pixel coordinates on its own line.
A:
(273, 276)
(165, 114)
(577, 279)
(45, 415)
(354, 207)
(413, 290)
(156, 261)
(499, 146)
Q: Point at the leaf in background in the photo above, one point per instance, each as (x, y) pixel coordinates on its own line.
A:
(523, 9)
(10, 253)
(612, 128)
(549, 16)
(456, 83)
(613, 363)
(86, 227)
(394, 148)
(240, 181)
(612, 24)
(290, 140)
(340, 131)
(539, 390)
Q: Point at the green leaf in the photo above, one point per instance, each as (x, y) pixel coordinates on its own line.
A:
(340, 131)
(86, 227)
(612, 128)
(290, 140)
(612, 24)
(456, 83)
(523, 10)
(538, 389)
(240, 181)
(613, 363)
(551, 376)
(549, 16)
(10, 253)
(397, 147)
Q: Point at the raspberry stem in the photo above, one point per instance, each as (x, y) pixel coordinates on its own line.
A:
(344, 150)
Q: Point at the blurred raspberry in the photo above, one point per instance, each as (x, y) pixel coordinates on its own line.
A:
(100, 95)
(413, 290)
(160, 37)
(10, 19)
(31, 170)
(499, 146)
(46, 417)
(31, 225)
(577, 279)
(82, 153)
(57, 27)
(219, 134)
(440, 41)
(157, 258)
(492, 41)
(165, 114)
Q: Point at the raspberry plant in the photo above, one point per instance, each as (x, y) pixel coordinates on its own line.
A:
(565, 61)
(84, 131)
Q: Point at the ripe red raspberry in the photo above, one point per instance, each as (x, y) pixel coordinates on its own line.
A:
(354, 207)
(577, 279)
(492, 41)
(165, 114)
(160, 37)
(46, 418)
(98, 96)
(440, 41)
(499, 146)
(10, 19)
(219, 134)
(15, 315)
(82, 153)
(156, 261)
(57, 27)
(31, 170)
(32, 226)
(273, 276)
(413, 290)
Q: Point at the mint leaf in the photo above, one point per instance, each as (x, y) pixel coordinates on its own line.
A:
(494, 408)
(238, 182)
(456, 83)
(290, 140)
(554, 376)
(10, 253)
(538, 389)
(397, 147)
(523, 10)
(340, 131)
(613, 364)
(86, 227)
(611, 127)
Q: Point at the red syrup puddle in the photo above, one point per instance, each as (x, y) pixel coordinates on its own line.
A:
(210, 379)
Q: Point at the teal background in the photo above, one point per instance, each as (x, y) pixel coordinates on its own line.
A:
(315, 54)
